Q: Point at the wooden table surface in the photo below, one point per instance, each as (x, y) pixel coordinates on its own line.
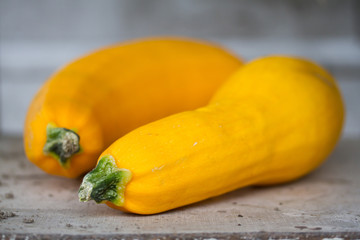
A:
(324, 204)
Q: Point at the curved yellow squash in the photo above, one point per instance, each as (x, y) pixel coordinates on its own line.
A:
(93, 101)
(275, 120)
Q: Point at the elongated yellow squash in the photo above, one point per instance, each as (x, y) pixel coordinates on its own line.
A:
(91, 102)
(275, 120)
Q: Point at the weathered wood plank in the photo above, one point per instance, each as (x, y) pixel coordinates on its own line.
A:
(324, 204)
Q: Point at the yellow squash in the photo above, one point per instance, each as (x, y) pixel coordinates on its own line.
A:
(274, 121)
(93, 101)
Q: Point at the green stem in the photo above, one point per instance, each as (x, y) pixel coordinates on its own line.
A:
(106, 182)
(61, 143)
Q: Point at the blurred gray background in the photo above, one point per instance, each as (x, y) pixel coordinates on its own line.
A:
(39, 36)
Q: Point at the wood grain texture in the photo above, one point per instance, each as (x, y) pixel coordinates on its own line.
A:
(324, 204)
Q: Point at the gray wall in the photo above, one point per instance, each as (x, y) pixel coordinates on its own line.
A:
(39, 36)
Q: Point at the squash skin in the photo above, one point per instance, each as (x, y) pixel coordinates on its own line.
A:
(275, 120)
(112, 91)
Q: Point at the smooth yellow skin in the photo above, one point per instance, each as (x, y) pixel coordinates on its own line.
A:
(108, 93)
(274, 121)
